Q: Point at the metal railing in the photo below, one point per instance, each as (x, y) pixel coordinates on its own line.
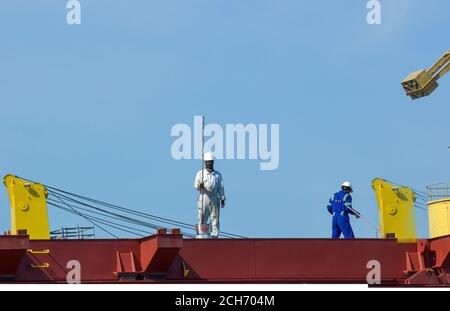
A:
(78, 232)
(438, 191)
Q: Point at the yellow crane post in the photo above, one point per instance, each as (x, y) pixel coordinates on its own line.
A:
(28, 207)
(396, 210)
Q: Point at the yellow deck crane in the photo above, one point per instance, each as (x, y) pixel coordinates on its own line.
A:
(396, 210)
(28, 208)
(423, 82)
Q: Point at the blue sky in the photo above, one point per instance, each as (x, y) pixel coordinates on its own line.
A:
(89, 108)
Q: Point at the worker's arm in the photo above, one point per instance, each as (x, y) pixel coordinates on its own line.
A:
(349, 207)
(348, 204)
(198, 181)
(329, 205)
(221, 191)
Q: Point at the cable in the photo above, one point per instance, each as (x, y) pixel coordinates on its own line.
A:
(127, 219)
(53, 190)
(91, 206)
(52, 203)
(87, 218)
(422, 196)
(120, 207)
(418, 192)
(141, 214)
(110, 224)
(120, 217)
(99, 220)
(364, 219)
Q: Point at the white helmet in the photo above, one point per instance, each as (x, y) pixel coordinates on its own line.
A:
(208, 156)
(348, 185)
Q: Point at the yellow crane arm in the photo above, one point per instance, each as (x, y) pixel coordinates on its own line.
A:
(444, 61)
(443, 71)
(423, 82)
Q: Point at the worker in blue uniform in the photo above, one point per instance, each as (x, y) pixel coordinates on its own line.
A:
(340, 206)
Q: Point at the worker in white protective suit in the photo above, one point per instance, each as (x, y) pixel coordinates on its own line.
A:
(212, 195)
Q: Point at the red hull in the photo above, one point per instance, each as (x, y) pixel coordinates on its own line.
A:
(170, 258)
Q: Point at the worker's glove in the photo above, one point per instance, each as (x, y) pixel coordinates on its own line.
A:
(222, 203)
(201, 186)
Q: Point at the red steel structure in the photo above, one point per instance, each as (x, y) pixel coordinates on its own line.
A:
(168, 258)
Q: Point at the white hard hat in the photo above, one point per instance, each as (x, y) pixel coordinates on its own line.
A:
(347, 184)
(208, 156)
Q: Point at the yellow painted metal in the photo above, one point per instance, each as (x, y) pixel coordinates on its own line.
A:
(439, 217)
(396, 210)
(419, 84)
(28, 207)
(45, 251)
(45, 265)
(423, 82)
(186, 271)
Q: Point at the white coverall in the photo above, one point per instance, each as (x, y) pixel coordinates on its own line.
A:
(213, 193)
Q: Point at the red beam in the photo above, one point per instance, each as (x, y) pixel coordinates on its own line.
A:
(169, 258)
(295, 260)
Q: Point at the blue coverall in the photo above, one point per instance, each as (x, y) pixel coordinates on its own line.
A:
(338, 207)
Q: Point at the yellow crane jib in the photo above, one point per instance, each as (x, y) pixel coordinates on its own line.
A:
(28, 208)
(396, 210)
(423, 82)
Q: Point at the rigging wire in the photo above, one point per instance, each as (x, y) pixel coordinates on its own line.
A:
(62, 201)
(110, 224)
(116, 217)
(138, 213)
(120, 216)
(66, 194)
(119, 207)
(52, 203)
(134, 212)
